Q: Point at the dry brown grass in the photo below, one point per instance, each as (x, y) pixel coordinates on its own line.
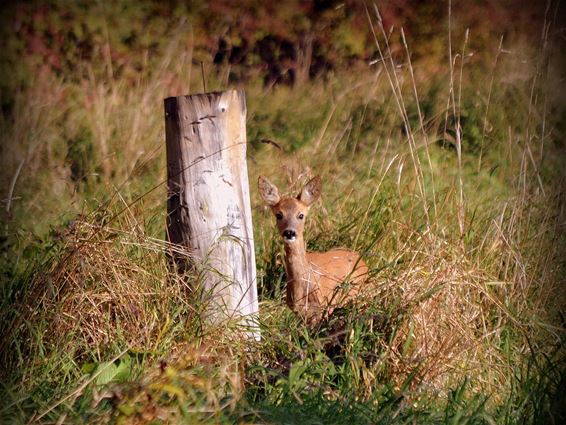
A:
(467, 250)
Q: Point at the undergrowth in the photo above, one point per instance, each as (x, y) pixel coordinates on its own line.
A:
(446, 172)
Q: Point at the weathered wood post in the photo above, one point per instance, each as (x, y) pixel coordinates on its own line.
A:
(208, 204)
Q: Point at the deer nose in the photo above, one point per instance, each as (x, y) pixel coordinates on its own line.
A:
(289, 234)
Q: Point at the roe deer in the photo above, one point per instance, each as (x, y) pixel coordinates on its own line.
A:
(313, 278)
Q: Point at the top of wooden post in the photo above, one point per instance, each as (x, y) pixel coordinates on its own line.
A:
(208, 97)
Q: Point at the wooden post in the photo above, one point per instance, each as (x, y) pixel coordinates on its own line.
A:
(208, 204)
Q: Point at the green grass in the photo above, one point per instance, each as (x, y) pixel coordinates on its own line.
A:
(461, 321)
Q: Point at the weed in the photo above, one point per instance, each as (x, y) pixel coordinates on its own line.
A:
(442, 162)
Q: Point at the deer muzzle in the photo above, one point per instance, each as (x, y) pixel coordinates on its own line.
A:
(289, 235)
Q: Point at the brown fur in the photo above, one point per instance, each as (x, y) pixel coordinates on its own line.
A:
(315, 280)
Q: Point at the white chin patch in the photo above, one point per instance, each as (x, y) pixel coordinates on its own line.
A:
(289, 240)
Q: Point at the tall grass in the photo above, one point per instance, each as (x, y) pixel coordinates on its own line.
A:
(448, 179)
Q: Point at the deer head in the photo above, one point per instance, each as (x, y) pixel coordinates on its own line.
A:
(290, 212)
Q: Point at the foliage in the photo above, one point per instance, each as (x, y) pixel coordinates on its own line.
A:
(448, 176)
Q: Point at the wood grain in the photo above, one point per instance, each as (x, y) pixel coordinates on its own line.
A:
(209, 210)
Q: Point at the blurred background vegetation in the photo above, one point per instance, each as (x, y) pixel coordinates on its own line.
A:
(438, 129)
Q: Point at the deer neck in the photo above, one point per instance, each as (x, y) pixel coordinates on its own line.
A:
(300, 283)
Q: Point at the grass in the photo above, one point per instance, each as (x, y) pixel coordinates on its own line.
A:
(447, 174)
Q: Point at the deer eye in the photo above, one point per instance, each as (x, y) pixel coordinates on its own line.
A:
(278, 216)
(301, 216)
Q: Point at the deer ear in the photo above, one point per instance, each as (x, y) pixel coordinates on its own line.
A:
(311, 191)
(268, 191)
